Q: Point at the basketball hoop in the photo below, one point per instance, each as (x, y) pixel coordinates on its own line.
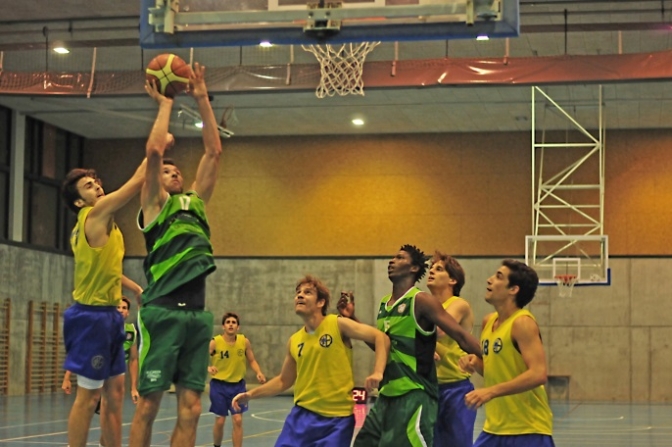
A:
(565, 285)
(341, 67)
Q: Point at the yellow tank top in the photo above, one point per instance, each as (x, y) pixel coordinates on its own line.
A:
(324, 378)
(523, 413)
(97, 270)
(229, 359)
(447, 370)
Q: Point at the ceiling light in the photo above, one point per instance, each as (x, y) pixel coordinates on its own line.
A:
(199, 124)
(265, 44)
(358, 122)
(482, 37)
(61, 50)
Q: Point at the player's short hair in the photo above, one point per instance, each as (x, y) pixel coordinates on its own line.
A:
(322, 290)
(523, 276)
(418, 259)
(169, 161)
(127, 301)
(69, 192)
(454, 269)
(230, 315)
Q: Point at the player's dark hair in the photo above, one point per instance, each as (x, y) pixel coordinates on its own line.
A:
(523, 276)
(454, 269)
(169, 161)
(69, 192)
(418, 259)
(127, 301)
(322, 290)
(230, 315)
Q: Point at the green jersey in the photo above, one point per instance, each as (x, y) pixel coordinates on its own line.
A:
(178, 245)
(131, 335)
(411, 362)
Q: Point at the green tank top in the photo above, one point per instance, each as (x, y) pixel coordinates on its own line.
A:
(131, 335)
(411, 362)
(178, 245)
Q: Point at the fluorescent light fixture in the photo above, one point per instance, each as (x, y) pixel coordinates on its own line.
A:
(358, 122)
(199, 124)
(265, 44)
(482, 37)
(61, 50)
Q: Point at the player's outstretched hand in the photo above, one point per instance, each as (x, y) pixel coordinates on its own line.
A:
(197, 82)
(153, 91)
(373, 381)
(261, 378)
(240, 399)
(346, 305)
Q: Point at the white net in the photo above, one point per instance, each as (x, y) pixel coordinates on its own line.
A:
(565, 285)
(341, 67)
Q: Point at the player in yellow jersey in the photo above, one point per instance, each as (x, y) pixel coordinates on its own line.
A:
(228, 353)
(319, 360)
(513, 365)
(93, 329)
(455, 421)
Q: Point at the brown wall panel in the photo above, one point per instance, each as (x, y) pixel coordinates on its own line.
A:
(469, 194)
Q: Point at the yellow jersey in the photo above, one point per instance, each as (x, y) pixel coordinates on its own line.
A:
(229, 359)
(324, 378)
(518, 414)
(447, 370)
(97, 270)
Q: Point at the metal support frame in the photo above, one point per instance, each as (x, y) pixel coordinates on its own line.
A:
(553, 206)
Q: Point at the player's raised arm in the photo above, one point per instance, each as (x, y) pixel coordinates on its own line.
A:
(153, 194)
(206, 175)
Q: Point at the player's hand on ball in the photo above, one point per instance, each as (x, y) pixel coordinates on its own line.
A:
(152, 90)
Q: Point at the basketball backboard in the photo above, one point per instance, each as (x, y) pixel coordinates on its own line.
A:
(203, 23)
(583, 257)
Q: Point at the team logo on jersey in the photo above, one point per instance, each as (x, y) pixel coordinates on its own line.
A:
(240, 352)
(497, 345)
(153, 376)
(401, 308)
(486, 346)
(97, 361)
(326, 340)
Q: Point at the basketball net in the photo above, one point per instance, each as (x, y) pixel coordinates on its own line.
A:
(341, 67)
(565, 285)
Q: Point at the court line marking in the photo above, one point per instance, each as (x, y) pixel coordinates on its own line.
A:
(256, 416)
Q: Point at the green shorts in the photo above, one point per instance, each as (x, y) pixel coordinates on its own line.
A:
(173, 348)
(401, 421)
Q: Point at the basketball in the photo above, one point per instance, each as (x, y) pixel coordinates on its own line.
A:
(170, 72)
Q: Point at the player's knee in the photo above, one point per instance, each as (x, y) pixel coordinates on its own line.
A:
(237, 420)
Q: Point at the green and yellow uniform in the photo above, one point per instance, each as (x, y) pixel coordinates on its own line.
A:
(405, 413)
(518, 414)
(324, 378)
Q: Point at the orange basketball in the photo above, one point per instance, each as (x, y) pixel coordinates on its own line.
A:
(170, 73)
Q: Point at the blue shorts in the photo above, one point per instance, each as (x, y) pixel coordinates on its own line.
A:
(532, 440)
(455, 422)
(306, 428)
(221, 395)
(94, 341)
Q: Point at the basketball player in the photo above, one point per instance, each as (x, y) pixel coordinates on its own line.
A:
(174, 327)
(455, 421)
(93, 330)
(513, 364)
(406, 409)
(319, 360)
(130, 354)
(228, 353)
